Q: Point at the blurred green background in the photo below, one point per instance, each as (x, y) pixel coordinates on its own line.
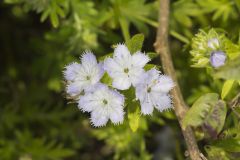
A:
(39, 37)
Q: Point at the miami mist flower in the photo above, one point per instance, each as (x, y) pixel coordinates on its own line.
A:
(104, 104)
(153, 91)
(82, 76)
(124, 68)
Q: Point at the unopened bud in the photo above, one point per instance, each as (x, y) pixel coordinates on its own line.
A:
(217, 59)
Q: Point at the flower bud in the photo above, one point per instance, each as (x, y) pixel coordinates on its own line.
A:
(213, 43)
(217, 59)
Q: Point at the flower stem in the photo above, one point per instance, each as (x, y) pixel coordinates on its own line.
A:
(162, 48)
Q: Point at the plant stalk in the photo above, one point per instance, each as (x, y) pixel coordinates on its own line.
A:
(162, 48)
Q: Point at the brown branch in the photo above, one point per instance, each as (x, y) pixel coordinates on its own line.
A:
(162, 48)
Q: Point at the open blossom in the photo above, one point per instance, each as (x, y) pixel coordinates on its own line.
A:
(104, 104)
(124, 68)
(217, 59)
(153, 91)
(213, 43)
(83, 76)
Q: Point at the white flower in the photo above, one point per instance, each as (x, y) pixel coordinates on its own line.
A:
(213, 43)
(153, 91)
(124, 68)
(104, 104)
(83, 76)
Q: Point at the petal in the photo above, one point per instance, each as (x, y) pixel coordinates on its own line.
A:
(164, 85)
(96, 73)
(146, 107)
(162, 102)
(117, 98)
(122, 56)
(121, 51)
(152, 75)
(141, 91)
(112, 67)
(87, 103)
(136, 75)
(122, 82)
(117, 115)
(88, 58)
(75, 88)
(98, 119)
(139, 59)
(71, 71)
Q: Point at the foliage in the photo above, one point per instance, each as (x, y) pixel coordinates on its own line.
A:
(39, 37)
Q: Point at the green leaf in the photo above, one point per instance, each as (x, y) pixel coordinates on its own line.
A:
(44, 15)
(54, 84)
(207, 111)
(125, 28)
(147, 67)
(134, 119)
(215, 153)
(201, 63)
(135, 43)
(196, 114)
(54, 19)
(215, 119)
(105, 56)
(152, 55)
(230, 145)
(230, 71)
(106, 79)
(227, 86)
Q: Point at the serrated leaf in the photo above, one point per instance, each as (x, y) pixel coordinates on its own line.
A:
(196, 114)
(230, 71)
(135, 43)
(134, 119)
(230, 145)
(227, 86)
(215, 119)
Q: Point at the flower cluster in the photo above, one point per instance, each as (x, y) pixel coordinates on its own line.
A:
(104, 102)
(209, 48)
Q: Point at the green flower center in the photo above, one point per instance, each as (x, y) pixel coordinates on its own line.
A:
(149, 90)
(126, 70)
(105, 102)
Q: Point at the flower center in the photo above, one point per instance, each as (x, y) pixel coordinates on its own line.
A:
(149, 90)
(105, 102)
(126, 70)
(88, 77)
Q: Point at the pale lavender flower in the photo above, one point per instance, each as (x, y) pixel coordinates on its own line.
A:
(124, 68)
(153, 91)
(217, 59)
(82, 76)
(104, 104)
